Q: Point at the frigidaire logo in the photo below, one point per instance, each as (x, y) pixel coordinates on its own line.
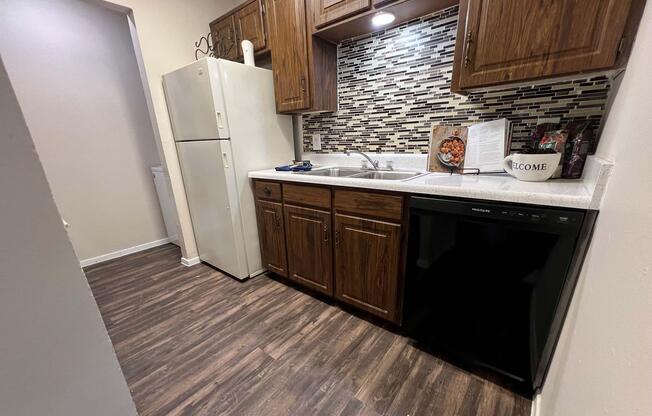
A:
(486, 211)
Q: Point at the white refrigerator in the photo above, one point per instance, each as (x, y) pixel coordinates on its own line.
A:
(225, 124)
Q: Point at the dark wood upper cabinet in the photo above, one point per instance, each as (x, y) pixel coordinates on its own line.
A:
(502, 41)
(330, 11)
(309, 247)
(271, 232)
(250, 25)
(337, 20)
(247, 21)
(304, 35)
(367, 254)
(225, 40)
(290, 56)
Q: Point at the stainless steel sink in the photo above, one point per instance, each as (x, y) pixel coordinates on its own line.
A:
(334, 172)
(357, 173)
(386, 175)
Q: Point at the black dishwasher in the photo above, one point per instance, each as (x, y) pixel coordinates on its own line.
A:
(489, 284)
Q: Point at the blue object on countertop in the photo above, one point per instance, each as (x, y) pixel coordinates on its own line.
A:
(302, 166)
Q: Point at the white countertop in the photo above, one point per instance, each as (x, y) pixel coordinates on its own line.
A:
(585, 193)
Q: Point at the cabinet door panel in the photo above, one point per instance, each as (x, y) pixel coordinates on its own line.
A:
(225, 42)
(309, 246)
(289, 54)
(506, 40)
(271, 230)
(330, 11)
(249, 23)
(367, 264)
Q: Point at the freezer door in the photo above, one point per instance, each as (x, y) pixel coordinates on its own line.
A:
(195, 102)
(209, 181)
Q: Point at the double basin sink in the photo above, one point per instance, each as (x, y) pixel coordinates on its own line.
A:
(354, 173)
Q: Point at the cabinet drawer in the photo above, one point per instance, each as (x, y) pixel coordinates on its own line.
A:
(268, 190)
(371, 204)
(307, 195)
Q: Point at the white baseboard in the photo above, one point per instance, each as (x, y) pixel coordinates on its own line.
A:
(536, 405)
(190, 262)
(123, 252)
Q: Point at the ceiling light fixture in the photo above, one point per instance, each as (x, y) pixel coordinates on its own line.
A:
(382, 19)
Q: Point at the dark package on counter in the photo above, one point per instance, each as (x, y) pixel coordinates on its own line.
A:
(555, 140)
(540, 130)
(577, 149)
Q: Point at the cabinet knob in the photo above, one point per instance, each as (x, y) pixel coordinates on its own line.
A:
(303, 84)
(326, 234)
(267, 191)
(337, 238)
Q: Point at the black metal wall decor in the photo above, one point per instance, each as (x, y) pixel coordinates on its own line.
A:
(204, 50)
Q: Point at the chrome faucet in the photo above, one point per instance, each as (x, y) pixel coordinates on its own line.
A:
(374, 163)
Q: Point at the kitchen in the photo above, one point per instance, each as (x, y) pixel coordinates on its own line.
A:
(423, 217)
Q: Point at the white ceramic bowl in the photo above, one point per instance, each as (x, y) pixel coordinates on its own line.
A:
(532, 167)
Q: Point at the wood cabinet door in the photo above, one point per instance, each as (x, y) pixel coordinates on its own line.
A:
(225, 41)
(249, 26)
(289, 54)
(330, 11)
(271, 230)
(367, 257)
(507, 40)
(309, 247)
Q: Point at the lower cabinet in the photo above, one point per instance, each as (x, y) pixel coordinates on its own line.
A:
(271, 231)
(367, 254)
(343, 243)
(309, 247)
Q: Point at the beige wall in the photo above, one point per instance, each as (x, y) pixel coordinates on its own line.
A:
(74, 70)
(603, 364)
(56, 358)
(167, 30)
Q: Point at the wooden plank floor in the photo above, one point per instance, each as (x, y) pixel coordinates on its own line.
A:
(192, 341)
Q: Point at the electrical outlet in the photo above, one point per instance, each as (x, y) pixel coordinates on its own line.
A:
(316, 141)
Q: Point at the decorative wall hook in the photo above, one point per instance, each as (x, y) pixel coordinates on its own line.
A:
(204, 50)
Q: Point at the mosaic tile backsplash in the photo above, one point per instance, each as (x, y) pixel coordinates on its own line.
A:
(394, 85)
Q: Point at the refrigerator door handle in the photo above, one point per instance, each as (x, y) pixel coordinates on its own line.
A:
(225, 159)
